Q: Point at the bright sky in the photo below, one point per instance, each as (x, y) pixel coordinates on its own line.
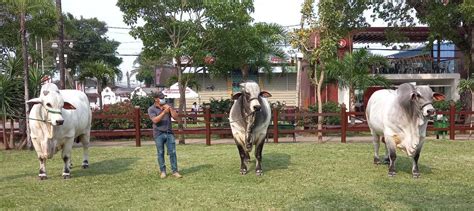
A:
(283, 12)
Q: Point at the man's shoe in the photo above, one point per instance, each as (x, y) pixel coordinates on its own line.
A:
(163, 175)
(177, 175)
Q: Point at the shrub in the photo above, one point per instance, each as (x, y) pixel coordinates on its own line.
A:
(118, 123)
(328, 107)
(220, 107)
(144, 103)
(444, 105)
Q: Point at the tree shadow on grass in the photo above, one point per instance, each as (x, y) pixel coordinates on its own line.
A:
(18, 176)
(107, 167)
(275, 161)
(197, 168)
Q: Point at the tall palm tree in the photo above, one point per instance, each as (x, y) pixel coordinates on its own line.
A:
(353, 72)
(22, 8)
(100, 71)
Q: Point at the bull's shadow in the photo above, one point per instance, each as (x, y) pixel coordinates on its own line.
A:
(193, 169)
(107, 167)
(275, 161)
(404, 164)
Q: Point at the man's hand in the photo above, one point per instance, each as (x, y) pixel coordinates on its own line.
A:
(166, 108)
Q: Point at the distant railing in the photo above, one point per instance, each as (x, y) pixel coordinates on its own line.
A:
(420, 65)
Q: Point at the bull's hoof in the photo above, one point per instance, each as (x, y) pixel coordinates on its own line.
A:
(391, 174)
(416, 175)
(386, 161)
(243, 171)
(42, 177)
(259, 172)
(85, 164)
(377, 161)
(66, 176)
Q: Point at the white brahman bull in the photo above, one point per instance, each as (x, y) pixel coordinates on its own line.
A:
(56, 119)
(249, 119)
(401, 117)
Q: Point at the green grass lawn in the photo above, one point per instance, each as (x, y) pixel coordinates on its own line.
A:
(301, 175)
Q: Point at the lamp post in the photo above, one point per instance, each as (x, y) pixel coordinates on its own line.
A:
(61, 59)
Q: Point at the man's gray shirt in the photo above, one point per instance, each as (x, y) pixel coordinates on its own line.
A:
(163, 126)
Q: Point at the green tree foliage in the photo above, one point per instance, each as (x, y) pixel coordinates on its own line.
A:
(41, 16)
(333, 20)
(20, 11)
(189, 78)
(91, 44)
(146, 69)
(353, 72)
(172, 29)
(448, 20)
(100, 71)
(236, 43)
(11, 96)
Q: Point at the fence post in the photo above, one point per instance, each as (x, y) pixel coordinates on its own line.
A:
(343, 123)
(275, 124)
(138, 133)
(207, 121)
(452, 116)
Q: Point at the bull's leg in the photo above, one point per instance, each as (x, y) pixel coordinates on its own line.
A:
(41, 158)
(376, 141)
(42, 171)
(415, 171)
(386, 159)
(392, 156)
(258, 157)
(85, 139)
(66, 155)
(243, 159)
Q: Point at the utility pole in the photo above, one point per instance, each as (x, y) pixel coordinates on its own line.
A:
(62, 75)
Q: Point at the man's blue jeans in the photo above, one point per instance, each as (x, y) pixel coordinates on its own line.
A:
(160, 141)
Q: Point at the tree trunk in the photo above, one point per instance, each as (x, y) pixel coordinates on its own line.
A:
(320, 105)
(182, 99)
(62, 74)
(99, 90)
(352, 101)
(26, 73)
(245, 72)
(4, 133)
(12, 133)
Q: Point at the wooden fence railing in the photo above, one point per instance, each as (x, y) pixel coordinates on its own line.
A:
(301, 122)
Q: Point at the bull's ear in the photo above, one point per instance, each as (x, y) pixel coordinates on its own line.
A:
(34, 101)
(265, 94)
(438, 96)
(236, 96)
(413, 96)
(68, 106)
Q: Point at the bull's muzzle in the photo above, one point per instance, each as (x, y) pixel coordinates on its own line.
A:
(257, 107)
(59, 122)
(431, 112)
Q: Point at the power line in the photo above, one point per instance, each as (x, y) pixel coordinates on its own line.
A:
(118, 27)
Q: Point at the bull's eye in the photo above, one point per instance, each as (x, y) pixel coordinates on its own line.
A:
(247, 95)
(49, 105)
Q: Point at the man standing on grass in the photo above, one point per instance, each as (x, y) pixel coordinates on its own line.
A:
(160, 114)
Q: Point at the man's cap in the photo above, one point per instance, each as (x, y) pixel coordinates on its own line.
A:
(159, 94)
